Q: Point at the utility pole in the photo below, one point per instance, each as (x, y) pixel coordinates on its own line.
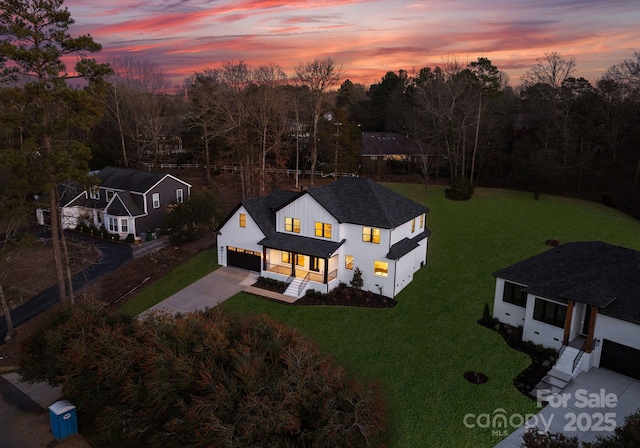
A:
(335, 170)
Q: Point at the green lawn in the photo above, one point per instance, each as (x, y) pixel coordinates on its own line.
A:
(182, 276)
(419, 350)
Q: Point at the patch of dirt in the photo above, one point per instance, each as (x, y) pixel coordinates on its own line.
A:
(27, 271)
(115, 284)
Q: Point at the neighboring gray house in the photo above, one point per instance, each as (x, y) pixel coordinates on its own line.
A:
(126, 201)
(581, 298)
(316, 238)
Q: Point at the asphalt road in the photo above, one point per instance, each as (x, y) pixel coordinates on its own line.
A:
(113, 256)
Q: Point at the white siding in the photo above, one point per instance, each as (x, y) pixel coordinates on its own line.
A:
(308, 210)
(232, 234)
(615, 330)
(508, 313)
(540, 332)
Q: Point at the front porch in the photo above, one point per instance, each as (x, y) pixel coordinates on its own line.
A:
(301, 271)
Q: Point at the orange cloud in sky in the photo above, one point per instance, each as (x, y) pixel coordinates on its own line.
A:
(367, 37)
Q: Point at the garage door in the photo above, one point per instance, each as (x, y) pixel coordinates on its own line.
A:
(620, 358)
(245, 259)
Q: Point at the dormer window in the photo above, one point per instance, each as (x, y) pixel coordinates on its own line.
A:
(94, 193)
(110, 194)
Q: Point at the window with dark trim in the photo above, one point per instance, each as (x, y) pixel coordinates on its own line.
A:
(299, 260)
(371, 235)
(286, 257)
(323, 229)
(292, 225)
(514, 294)
(314, 264)
(243, 220)
(550, 312)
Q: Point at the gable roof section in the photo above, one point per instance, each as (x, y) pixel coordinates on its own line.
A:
(125, 204)
(594, 273)
(387, 143)
(356, 200)
(133, 180)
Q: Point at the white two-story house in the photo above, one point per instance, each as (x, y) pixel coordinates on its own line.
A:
(315, 239)
(580, 298)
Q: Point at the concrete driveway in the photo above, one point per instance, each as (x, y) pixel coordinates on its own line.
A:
(592, 405)
(209, 291)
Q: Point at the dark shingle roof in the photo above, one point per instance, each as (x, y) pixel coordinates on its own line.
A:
(406, 245)
(128, 179)
(387, 143)
(301, 244)
(595, 273)
(125, 203)
(262, 209)
(356, 200)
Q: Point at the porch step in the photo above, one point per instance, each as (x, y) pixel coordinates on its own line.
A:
(554, 382)
(292, 289)
(565, 363)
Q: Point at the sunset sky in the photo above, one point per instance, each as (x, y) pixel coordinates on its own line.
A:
(368, 38)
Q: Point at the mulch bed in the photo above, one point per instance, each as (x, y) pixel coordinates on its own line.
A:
(348, 297)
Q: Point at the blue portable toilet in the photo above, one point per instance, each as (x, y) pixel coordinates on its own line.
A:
(64, 421)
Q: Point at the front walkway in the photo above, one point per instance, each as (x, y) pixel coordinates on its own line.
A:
(585, 408)
(215, 288)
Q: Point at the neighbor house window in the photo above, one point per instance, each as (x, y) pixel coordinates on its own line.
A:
(243, 220)
(124, 225)
(94, 193)
(113, 224)
(550, 312)
(292, 225)
(348, 262)
(514, 294)
(285, 257)
(381, 268)
(156, 200)
(179, 196)
(323, 229)
(371, 235)
(109, 194)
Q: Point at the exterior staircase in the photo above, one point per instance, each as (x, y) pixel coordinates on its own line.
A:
(293, 288)
(562, 373)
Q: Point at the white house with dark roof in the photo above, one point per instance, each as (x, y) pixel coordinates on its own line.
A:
(126, 201)
(581, 298)
(316, 238)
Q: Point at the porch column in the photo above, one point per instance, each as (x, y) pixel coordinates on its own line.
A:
(592, 327)
(264, 258)
(326, 270)
(567, 322)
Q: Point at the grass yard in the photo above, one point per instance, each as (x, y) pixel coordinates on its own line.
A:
(185, 274)
(420, 349)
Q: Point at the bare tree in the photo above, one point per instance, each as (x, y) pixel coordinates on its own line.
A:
(318, 76)
(552, 70)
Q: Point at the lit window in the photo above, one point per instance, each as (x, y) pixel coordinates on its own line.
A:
(299, 260)
(292, 225)
(421, 221)
(381, 268)
(323, 229)
(314, 264)
(371, 235)
(179, 197)
(348, 262)
(156, 200)
(94, 193)
(413, 225)
(243, 220)
(286, 257)
(124, 225)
